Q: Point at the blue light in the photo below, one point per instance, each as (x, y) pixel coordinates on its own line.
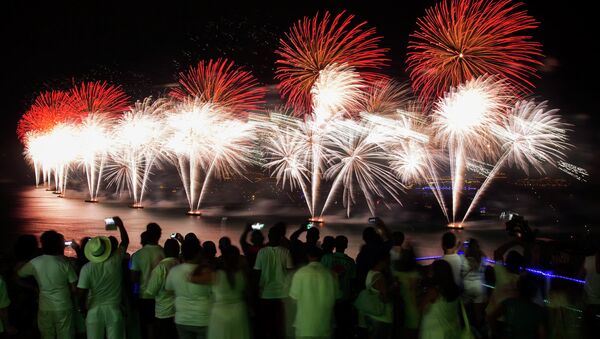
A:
(547, 274)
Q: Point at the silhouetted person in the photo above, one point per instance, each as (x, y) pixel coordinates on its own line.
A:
(315, 289)
(440, 305)
(224, 244)
(251, 249)
(450, 246)
(193, 302)
(101, 288)
(591, 269)
(344, 269)
(299, 248)
(142, 263)
(379, 282)
(229, 314)
(522, 317)
(328, 245)
(56, 280)
(164, 310)
(273, 263)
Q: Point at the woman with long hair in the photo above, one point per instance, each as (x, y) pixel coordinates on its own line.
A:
(440, 305)
(474, 296)
(229, 315)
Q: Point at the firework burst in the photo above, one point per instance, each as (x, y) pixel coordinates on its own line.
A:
(315, 43)
(462, 120)
(221, 83)
(205, 141)
(355, 162)
(139, 136)
(459, 40)
(531, 135)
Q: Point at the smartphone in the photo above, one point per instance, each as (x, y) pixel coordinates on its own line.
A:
(309, 225)
(258, 226)
(466, 243)
(109, 224)
(68, 243)
(373, 220)
(173, 235)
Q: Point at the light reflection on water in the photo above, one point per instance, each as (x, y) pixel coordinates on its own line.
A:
(38, 210)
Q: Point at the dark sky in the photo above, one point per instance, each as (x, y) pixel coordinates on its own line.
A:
(142, 46)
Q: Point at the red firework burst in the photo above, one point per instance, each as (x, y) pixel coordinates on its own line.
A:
(98, 97)
(220, 82)
(313, 43)
(48, 110)
(458, 40)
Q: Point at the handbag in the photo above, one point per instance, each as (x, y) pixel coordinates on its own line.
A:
(369, 303)
(466, 332)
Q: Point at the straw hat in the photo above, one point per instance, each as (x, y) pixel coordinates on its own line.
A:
(97, 249)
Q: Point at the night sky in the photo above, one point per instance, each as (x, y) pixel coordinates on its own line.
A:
(142, 46)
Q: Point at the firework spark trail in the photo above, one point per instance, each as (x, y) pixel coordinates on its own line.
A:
(337, 89)
(459, 40)
(205, 139)
(531, 135)
(408, 146)
(355, 161)
(94, 144)
(97, 103)
(286, 153)
(479, 167)
(464, 117)
(576, 172)
(139, 135)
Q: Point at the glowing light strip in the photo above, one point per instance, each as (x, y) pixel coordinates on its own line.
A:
(547, 274)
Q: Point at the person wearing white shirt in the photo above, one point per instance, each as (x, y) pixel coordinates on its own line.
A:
(193, 302)
(457, 262)
(315, 289)
(101, 285)
(164, 310)
(142, 263)
(56, 280)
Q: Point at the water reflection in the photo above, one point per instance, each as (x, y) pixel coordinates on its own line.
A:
(37, 210)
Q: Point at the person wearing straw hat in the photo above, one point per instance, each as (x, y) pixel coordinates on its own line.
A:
(100, 286)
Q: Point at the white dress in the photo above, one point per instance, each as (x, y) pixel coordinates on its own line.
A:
(229, 316)
(440, 320)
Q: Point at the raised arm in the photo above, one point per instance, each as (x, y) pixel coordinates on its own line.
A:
(123, 233)
(244, 238)
(296, 234)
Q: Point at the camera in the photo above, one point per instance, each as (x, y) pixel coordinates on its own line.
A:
(373, 220)
(309, 225)
(68, 243)
(173, 235)
(109, 224)
(258, 226)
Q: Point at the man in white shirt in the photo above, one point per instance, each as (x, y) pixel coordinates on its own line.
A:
(193, 302)
(142, 263)
(101, 286)
(458, 263)
(315, 289)
(273, 262)
(56, 280)
(164, 310)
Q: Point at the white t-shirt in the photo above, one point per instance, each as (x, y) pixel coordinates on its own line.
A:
(592, 281)
(53, 274)
(459, 266)
(315, 288)
(144, 261)
(4, 300)
(103, 280)
(165, 300)
(273, 263)
(193, 302)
